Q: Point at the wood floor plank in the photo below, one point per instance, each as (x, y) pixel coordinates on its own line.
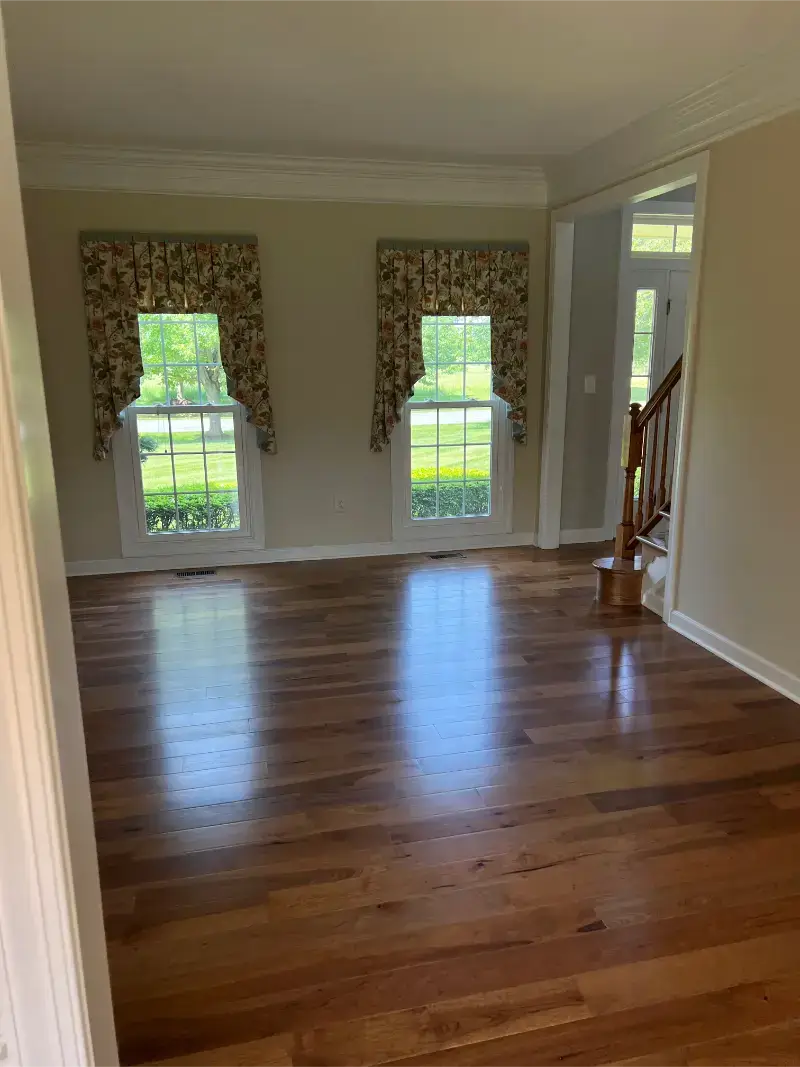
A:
(399, 810)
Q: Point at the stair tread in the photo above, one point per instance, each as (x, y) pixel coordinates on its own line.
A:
(664, 512)
(654, 541)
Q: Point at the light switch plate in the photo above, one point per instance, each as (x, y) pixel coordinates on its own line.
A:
(590, 384)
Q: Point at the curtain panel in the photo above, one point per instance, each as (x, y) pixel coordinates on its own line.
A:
(449, 281)
(123, 278)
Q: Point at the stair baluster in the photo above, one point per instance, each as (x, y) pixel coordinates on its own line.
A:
(620, 576)
(651, 484)
(642, 479)
(662, 488)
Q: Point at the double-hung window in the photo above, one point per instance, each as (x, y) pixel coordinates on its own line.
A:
(451, 454)
(186, 462)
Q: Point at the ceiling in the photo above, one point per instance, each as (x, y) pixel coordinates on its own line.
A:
(487, 81)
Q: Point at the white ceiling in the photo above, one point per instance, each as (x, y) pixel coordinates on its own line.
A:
(480, 81)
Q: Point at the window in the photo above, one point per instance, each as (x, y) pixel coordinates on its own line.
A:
(644, 328)
(453, 445)
(183, 474)
(661, 235)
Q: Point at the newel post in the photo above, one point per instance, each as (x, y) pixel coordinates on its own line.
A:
(631, 460)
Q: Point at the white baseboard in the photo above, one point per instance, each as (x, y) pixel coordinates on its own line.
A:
(130, 564)
(584, 537)
(764, 670)
(654, 602)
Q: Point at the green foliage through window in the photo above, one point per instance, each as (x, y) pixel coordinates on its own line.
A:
(189, 469)
(451, 447)
(191, 512)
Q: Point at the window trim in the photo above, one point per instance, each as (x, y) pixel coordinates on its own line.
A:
(659, 212)
(135, 541)
(404, 528)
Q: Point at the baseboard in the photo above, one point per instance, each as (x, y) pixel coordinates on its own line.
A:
(751, 663)
(654, 602)
(584, 537)
(130, 564)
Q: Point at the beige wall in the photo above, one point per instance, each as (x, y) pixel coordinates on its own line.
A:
(318, 274)
(739, 575)
(592, 337)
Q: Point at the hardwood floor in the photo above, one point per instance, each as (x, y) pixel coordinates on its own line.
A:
(437, 812)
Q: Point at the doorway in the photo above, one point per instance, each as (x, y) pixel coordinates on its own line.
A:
(666, 326)
(655, 319)
(655, 271)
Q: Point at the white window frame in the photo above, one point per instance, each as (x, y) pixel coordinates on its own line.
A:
(404, 528)
(136, 541)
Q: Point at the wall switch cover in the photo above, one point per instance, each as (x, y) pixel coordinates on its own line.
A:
(590, 384)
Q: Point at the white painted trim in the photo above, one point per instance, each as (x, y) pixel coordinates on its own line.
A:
(130, 504)
(562, 244)
(653, 602)
(585, 537)
(295, 555)
(55, 991)
(767, 86)
(751, 663)
(694, 169)
(655, 208)
(620, 389)
(643, 187)
(688, 376)
(407, 530)
(152, 170)
(628, 266)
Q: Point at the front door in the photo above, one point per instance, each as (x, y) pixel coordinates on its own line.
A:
(657, 302)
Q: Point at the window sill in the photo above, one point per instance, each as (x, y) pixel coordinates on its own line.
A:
(437, 529)
(190, 544)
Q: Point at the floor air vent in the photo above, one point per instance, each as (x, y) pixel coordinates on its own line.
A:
(446, 555)
(199, 572)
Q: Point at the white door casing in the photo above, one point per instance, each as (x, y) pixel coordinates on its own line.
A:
(55, 1002)
(671, 278)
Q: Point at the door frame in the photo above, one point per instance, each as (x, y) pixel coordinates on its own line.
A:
(629, 266)
(55, 998)
(692, 169)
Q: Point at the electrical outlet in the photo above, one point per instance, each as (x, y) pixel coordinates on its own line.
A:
(590, 384)
(338, 505)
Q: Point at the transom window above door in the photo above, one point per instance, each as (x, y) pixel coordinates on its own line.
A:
(659, 236)
(454, 442)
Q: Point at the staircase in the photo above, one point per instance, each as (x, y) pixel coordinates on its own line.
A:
(635, 573)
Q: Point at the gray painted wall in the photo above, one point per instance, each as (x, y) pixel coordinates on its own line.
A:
(593, 321)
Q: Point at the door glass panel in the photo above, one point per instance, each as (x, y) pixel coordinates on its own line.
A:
(643, 337)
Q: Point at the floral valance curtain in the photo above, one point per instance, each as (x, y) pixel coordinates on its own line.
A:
(449, 281)
(123, 278)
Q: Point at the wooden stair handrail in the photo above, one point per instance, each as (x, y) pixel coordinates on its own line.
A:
(660, 395)
(646, 527)
(648, 440)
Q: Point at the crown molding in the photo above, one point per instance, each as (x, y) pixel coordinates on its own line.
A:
(766, 87)
(763, 89)
(58, 166)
